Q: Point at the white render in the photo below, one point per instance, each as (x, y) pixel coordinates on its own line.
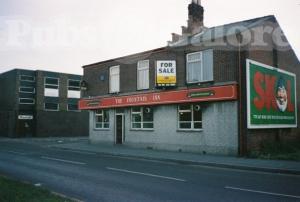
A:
(219, 134)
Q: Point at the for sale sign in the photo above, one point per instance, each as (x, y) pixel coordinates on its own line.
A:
(166, 73)
(271, 97)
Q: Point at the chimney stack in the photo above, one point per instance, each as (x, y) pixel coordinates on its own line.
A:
(195, 21)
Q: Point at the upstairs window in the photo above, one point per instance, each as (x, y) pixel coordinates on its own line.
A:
(143, 75)
(26, 101)
(114, 79)
(73, 89)
(27, 78)
(142, 118)
(189, 117)
(51, 87)
(30, 90)
(101, 119)
(73, 107)
(199, 66)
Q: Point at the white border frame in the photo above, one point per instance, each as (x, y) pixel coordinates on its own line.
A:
(20, 91)
(32, 81)
(33, 103)
(94, 120)
(74, 86)
(193, 129)
(252, 126)
(142, 118)
(51, 110)
(110, 68)
(58, 85)
(138, 68)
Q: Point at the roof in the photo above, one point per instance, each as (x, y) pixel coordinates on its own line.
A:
(218, 32)
(222, 31)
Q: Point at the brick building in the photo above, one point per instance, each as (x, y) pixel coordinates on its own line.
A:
(40, 104)
(192, 95)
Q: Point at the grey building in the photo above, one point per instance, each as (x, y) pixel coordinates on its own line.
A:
(192, 95)
(41, 104)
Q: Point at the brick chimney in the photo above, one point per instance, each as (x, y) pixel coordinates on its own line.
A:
(196, 15)
(194, 24)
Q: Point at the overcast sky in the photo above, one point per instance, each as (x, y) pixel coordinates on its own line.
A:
(64, 35)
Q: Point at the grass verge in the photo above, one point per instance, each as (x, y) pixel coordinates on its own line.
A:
(278, 151)
(11, 190)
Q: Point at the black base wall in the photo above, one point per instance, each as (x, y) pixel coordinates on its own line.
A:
(62, 124)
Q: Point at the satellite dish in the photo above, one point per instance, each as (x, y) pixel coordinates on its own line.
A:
(147, 110)
(197, 108)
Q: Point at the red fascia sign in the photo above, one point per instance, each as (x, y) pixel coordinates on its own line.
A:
(218, 93)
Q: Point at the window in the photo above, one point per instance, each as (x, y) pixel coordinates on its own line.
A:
(27, 78)
(190, 117)
(51, 87)
(27, 101)
(73, 107)
(27, 90)
(142, 118)
(73, 89)
(114, 79)
(51, 106)
(143, 75)
(101, 119)
(200, 66)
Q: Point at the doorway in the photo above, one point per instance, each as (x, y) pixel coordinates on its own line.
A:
(119, 130)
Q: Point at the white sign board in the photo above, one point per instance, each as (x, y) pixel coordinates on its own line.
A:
(25, 117)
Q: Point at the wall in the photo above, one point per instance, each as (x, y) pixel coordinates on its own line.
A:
(225, 70)
(219, 135)
(103, 136)
(61, 124)
(283, 59)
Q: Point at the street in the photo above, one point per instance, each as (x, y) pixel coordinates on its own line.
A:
(89, 176)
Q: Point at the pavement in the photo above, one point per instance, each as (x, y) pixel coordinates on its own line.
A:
(82, 144)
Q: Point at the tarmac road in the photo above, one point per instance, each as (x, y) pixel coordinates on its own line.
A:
(88, 176)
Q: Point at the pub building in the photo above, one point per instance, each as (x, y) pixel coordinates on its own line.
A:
(201, 93)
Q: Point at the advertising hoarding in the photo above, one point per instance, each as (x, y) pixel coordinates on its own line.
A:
(271, 97)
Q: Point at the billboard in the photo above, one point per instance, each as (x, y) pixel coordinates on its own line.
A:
(166, 73)
(271, 97)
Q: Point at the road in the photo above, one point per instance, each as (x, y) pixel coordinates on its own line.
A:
(92, 177)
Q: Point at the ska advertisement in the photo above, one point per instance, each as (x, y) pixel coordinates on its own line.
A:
(271, 97)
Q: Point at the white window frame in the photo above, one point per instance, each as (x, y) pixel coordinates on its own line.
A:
(78, 87)
(58, 84)
(191, 110)
(33, 80)
(103, 123)
(51, 110)
(33, 101)
(142, 119)
(110, 79)
(139, 68)
(190, 61)
(78, 110)
(20, 90)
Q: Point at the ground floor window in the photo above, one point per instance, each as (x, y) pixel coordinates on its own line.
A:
(101, 119)
(51, 106)
(189, 117)
(142, 118)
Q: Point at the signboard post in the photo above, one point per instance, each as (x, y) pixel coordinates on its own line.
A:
(271, 97)
(166, 73)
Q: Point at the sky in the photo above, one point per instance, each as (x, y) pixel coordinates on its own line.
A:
(64, 35)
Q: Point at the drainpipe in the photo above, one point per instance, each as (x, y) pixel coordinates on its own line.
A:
(242, 133)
